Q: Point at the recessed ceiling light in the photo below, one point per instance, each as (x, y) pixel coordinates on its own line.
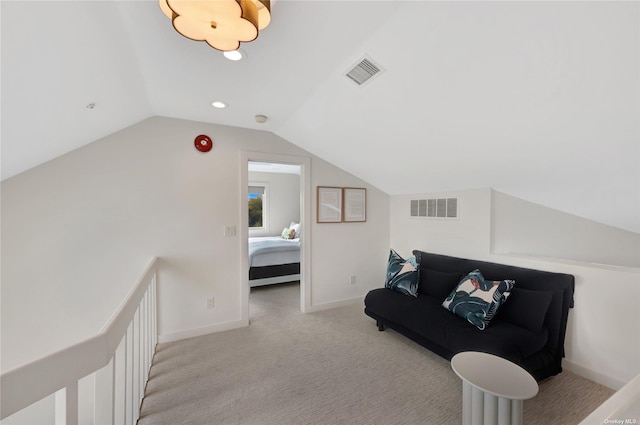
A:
(235, 55)
(218, 104)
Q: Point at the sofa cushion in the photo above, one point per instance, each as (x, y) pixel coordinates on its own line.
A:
(422, 315)
(526, 308)
(436, 283)
(503, 339)
(402, 275)
(477, 300)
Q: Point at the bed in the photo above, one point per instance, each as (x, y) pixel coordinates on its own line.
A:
(273, 259)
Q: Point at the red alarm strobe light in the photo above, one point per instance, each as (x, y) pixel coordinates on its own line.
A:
(203, 143)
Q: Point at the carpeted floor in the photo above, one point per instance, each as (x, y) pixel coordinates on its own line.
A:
(331, 367)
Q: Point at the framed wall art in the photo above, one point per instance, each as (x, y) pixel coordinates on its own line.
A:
(329, 204)
(354, 204)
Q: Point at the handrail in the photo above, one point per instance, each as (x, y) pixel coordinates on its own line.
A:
(26, 384)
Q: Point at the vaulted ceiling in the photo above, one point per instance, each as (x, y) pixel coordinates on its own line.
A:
(540, 100)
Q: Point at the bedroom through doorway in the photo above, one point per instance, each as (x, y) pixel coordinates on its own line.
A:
(274, 235)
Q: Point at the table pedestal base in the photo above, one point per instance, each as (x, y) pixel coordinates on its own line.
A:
(480, 408)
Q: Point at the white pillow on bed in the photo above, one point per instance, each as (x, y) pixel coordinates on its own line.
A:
(288, 233)
(296, 227)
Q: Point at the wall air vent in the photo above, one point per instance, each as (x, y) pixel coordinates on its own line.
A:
(364, 70)
(435, 208)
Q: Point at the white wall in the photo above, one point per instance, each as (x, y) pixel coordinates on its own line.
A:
(283, 200)
(522, 227)
(78, 231)
(465, 236)
(603, 333)
(348, 249)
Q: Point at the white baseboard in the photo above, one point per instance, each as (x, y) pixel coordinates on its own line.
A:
(334, 304)
(205, 330)
(600, 378)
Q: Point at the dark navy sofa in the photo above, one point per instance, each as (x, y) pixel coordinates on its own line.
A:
(529, 328)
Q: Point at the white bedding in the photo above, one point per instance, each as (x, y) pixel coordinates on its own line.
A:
(273, 250)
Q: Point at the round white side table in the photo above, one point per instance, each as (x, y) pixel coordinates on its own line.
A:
(493, 389)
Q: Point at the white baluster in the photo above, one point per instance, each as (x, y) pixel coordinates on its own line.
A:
(66, 405)
(104, 394)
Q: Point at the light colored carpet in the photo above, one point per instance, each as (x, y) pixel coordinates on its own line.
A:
(331, 367)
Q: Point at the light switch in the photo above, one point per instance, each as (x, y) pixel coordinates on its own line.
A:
(229, 231)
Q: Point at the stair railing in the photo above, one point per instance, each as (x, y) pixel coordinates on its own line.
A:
(119, 356)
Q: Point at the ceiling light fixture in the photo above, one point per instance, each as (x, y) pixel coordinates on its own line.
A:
(222, 24)
(235, 55)
(218, 104)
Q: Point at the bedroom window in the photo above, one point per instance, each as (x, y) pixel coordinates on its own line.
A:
(258, 206)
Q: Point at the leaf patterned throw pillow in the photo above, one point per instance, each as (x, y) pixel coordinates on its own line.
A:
(477, 300)
(402, 275)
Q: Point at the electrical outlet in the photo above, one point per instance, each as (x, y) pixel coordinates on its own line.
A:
(352, 280)
(209, 303)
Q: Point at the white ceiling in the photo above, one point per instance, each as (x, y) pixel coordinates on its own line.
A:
(539, 100)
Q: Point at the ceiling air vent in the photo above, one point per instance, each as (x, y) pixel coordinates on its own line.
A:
(363, 71)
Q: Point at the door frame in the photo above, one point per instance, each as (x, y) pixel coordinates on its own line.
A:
(305, 222)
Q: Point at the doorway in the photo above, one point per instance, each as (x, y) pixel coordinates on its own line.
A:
(274, 237)
(268, 212)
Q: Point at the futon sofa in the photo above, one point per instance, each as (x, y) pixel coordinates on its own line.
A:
(528, 328)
